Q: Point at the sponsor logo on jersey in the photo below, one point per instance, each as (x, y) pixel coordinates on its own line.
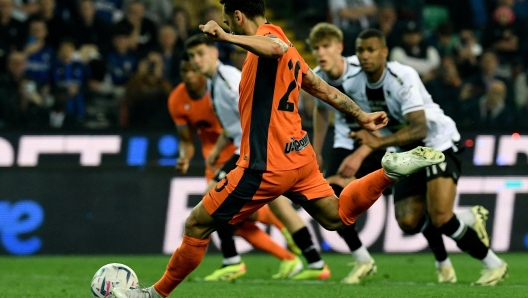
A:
(296, 145)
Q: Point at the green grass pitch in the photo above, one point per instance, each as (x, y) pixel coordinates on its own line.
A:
(407, 275)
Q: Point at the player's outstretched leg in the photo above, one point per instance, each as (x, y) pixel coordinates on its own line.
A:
(232, 265)
(198, 226)
(316, 268)
(364, 265)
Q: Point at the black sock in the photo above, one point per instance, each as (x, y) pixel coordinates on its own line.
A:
(351, 237)
(436, 243)
(303, 239)
(337, 189)
(227, 243)
(467, 239)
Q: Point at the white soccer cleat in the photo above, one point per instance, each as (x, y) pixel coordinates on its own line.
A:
(492, 276)
(446, 274)
(481, 216)
(399, 165)
(122, 292)
(360, 271)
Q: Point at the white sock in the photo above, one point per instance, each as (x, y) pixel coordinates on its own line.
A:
(232, 260)
(317, 265)
(491, 260)
(444, 263)
(466, 216)
(361, 254)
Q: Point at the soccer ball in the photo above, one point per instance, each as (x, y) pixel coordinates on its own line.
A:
(110, 276)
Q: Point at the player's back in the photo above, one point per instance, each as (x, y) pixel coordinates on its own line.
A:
(272, 136)
(198, 113)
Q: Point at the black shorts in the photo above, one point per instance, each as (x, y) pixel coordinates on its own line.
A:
(227, 167)
(369, 165)
(416, 184)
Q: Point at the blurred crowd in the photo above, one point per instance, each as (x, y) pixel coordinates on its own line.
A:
(93, 64)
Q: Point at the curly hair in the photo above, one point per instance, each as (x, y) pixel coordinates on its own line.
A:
(251, 8)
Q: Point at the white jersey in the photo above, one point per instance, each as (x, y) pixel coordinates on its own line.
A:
(398, 92)
(225, 96)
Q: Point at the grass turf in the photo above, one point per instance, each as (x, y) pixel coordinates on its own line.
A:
(398, 276)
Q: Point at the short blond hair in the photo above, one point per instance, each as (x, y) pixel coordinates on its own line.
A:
(324, 31)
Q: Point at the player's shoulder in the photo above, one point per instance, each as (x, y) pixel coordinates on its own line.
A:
(225, 71)
(353, 67)
(178, 93)
(401, 72)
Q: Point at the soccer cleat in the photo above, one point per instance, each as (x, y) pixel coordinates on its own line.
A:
(446, 274)
(481, 215)
(313, 274)
(400, 165)
(122, 292)
(492, 276)
(289, 241)
(360, 271)
(228, 272)
(288, 268)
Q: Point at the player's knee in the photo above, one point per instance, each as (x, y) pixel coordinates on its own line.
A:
(332, 224)
(409, 223)
(196, 228)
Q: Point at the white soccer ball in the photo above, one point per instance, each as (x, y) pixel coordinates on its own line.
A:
(110, 276)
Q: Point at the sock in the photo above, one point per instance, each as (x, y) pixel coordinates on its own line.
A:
(362, 255)
(465, 237)
(491, 260)
(231, 261)
(360, 194)
(266, 216)
(227, 243)
(261, 240)
(317, 265)
(435, 240)
(304, 241)
(466, 216)
(351, 237)
(184, 260)
(446, 262)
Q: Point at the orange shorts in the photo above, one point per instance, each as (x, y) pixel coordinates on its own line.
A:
(243, 191)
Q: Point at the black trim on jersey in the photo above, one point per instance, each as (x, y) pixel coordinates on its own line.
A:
(351, 76)
(261, 112)
(394, 75)
(353, 64)
(243, 193)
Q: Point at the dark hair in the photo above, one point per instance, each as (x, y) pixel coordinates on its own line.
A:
(251, 8)
(184, 57)
(369, 33)
(197, 40)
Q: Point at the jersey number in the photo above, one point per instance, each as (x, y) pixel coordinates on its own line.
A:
(284, 104)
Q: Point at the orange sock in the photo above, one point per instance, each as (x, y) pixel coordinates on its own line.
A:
(266, 216)
(261, 240)
(184, 260)
(360, 194)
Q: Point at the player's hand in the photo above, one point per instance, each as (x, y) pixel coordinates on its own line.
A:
(214, 31)
(366, 138)
(350, 165)
(182, 165)
(373, 121)
(212, 159)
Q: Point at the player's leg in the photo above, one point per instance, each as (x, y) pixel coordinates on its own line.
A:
(266, 216)
(232, 265)
(316, 268)
(411, 214)
(290, 264)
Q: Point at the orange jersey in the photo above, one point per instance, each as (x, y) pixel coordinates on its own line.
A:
(272, 136)
(199, 113)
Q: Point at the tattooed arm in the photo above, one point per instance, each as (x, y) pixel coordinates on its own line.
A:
(314, 85)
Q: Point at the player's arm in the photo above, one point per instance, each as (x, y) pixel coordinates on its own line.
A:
(415, 131)
(221, 142)
(186, 137)
(262, 46)
(320, 89)
(321, 119)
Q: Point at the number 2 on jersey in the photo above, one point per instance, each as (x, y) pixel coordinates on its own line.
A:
(284, 104)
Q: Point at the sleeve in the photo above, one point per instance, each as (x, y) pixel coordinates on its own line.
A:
(177, 116)
(409, 95)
